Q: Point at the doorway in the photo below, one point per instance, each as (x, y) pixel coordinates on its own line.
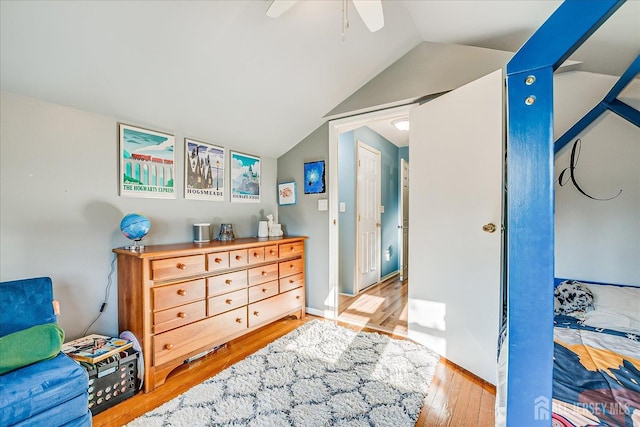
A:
(365, 285)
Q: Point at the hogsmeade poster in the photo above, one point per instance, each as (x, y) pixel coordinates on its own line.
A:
(245, 178)
(204, 171)
(147, 160)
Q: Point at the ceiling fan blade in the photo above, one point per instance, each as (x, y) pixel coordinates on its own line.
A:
(371, 13)
(278, 7)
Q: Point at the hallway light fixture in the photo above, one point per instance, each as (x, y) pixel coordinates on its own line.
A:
(401, 124)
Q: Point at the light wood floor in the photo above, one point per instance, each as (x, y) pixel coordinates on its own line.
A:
(382, 306)
(455, 398)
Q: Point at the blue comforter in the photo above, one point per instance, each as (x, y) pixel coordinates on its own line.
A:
(596, 376)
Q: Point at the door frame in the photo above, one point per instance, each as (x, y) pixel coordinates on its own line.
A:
(336, 127)
(378, 244)
(404, 247)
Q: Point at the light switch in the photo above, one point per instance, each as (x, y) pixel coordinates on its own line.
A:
(343, 207)
(323, 204)
(382, 209)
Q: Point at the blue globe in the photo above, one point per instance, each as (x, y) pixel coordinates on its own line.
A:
(135, 226)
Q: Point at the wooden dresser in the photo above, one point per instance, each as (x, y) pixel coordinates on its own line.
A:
(183, 299)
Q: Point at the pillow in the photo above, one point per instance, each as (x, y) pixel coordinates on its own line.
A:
(611, 302)
(572, 298)
(29, 346)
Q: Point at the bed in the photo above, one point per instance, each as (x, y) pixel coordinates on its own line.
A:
(525, 381)
(596, 367)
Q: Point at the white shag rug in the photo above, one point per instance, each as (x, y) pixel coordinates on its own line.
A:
(320, 374)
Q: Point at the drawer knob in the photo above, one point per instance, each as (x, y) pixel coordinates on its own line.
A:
(256, 313)
(182, 292)
(255, 254)
(291, 281)
(238, 320)
(272, 252)
(181, 266)
(228, 301)
(182, 315)
(264, 290)
(264, 273)
(238, 257)
(297, 296)
(228, 281)
(291, 266)
(218, 260)
(168, 346)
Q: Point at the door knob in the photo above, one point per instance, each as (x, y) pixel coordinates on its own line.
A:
(489, 228)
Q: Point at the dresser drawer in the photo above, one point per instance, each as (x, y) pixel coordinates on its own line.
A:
(289, 268)
(226, 302)
(238, 258)
(265, 290)
(256, 255)
(178, 316)
(291, 282)
(224, 283)
(265, 273)
(271, 252)
(173, 268)
(178, 343)
(291, 249)
(178, 294)
(275, 307)
(217, 261)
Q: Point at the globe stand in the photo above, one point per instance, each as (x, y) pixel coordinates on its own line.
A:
(135, 247)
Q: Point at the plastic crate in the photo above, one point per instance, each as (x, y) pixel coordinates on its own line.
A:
(112, 380)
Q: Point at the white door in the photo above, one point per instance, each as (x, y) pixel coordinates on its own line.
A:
(457, 154)
(404, 227)
(368, 222)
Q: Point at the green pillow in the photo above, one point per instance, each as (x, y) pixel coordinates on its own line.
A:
(29, 346)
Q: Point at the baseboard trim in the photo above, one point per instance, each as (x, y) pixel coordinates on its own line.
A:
(327, 314)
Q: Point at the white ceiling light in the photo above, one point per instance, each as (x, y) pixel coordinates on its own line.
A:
(401, 124)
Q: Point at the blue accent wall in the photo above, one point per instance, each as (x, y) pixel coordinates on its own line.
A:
(347, 195)
(403, 153)
(390, 177)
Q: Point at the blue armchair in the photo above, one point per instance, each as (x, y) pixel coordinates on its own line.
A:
(49, 392)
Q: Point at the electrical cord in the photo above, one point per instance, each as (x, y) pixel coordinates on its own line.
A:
(106, 295)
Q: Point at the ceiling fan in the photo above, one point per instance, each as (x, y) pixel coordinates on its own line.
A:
(369, 10)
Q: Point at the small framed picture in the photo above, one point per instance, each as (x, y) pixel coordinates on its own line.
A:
(314, 177)
(204, 171)
(146, 163)
(245, 178)
(287, 193)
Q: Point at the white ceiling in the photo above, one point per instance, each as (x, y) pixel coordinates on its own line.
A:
(223, 72)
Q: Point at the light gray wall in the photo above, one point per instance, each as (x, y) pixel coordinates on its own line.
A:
(60, 210)
(597, 240)
(429, 68)
(304, 218)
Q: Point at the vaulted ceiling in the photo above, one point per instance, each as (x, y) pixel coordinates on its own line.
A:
(223, 72)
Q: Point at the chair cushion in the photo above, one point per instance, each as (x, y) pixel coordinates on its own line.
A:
(25, 303)
(28, 391)
(29, 346)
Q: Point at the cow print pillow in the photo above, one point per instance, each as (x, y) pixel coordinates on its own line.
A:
(572, 299)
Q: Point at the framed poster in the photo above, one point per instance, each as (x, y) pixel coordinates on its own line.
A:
(203, 171)
(314, 177)
(287, 193)
(245, 178)
(147, 166)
